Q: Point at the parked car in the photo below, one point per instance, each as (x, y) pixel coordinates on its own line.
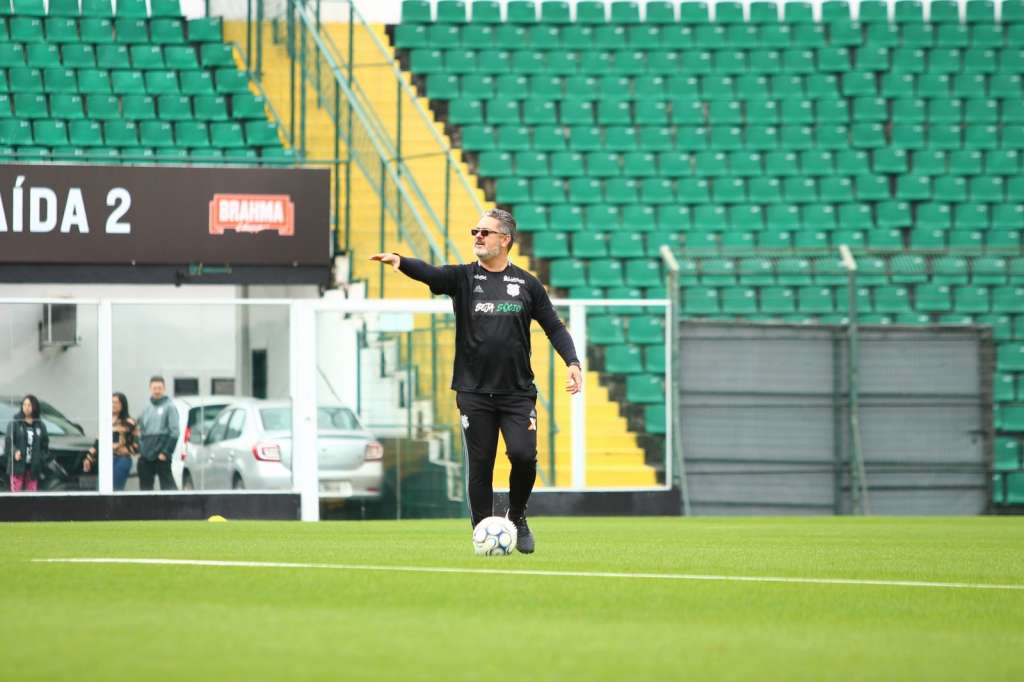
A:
(196, 415)
(249, 445)
(68, 445)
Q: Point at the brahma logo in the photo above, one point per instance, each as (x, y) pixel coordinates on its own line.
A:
(252, 213)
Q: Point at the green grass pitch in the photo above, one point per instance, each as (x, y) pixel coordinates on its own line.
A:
(119, 622)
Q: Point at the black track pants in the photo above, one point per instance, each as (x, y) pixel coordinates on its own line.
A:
(483, 415)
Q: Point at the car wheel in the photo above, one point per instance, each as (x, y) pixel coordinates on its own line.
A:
(237, 483)
(186, 481)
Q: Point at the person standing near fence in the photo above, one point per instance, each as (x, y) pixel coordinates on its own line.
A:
(27, 446)
(158, 426)
(494, 303)
(125, 441)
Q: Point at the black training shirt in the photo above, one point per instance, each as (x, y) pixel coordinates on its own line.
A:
(493, 311)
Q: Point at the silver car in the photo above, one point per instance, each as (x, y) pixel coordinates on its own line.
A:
(249, 446)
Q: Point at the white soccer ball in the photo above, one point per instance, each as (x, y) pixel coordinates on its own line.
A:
(494, 536)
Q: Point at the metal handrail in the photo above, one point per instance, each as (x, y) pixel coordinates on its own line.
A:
(308, 24)
(411, 99)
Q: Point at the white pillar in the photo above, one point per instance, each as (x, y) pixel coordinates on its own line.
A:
(302, 375)
(105, 383)
(578, 330)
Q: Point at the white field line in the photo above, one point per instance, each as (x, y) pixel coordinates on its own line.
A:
(554, 574)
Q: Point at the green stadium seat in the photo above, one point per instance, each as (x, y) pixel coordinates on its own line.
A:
(96, 31)
(131, 31)
(416, 12)
(1002, 326)
(61, 30)
(121, 133)
(1010, 357)
(59, 80)
(50, 132)
(85, 133)
(451, 11)
(167, 31)
(872, 271)
(814, 300)
(132, 83)
(606, 330)
(645, 389)
(624, 359)
(1008, 299)
(30, 106)
(147, 57)
(627, 245)
(68, 107)
(112, 56)
(135, 9)
(646, 329)
(205, 30)
(175, 108)
(971, 299)
(605, 272)
(170, 9)
(740, 301)
(892, 299)
(192, 134)
(989, 270)
(14, 131)
(777, 300)
(864, 302)
(1007, 456)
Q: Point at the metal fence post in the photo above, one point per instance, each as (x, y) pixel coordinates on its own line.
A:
(674, 438)
(259, 38)
(348, 136)
(858, 478)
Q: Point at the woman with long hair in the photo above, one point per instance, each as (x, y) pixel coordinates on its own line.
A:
(29, 446)
(126, 442)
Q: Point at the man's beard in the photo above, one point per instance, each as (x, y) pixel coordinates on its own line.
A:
(485, 254)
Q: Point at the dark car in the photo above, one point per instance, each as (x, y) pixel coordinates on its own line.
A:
(68, 445)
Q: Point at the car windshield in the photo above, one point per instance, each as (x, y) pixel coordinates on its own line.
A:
(280, 418)
(56, 424)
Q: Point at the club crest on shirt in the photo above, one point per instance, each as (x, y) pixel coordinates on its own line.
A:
(512, 289)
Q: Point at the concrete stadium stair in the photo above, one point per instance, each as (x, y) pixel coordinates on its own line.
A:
(614, 458)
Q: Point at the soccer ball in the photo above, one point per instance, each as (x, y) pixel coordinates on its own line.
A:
(494, 536)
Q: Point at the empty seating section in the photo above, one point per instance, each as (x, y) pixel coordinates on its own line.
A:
(90, 81)
(752, 141)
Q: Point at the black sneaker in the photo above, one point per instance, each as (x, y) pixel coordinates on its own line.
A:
(524, 538)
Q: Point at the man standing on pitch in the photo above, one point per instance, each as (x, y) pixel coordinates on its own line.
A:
(494, 303)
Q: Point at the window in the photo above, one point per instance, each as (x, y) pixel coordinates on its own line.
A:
(186, 386)
(220, 427)
(236, 425)
(200, 419)
(222, 386)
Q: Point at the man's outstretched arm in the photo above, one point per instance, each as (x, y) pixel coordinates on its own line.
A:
(441, 280)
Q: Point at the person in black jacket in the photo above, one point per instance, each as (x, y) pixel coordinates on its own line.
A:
(27, 446)
(494, 303)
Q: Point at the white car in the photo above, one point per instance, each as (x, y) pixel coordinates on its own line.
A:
(195, 415)
(249, 446)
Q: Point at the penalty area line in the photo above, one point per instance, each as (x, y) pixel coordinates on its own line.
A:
(211, 563)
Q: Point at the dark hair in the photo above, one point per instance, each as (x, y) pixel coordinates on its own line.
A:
(34, 401)
(123, 414)
(157, 377)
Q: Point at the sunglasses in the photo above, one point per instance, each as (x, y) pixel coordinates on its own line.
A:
(483, 232)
